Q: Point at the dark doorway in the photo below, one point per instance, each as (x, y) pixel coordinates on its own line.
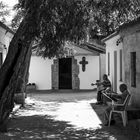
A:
(65, 73)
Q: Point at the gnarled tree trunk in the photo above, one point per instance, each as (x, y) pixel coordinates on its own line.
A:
(15, 65)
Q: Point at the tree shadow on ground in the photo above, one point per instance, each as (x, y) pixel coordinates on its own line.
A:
(47, 128)
(117, 130)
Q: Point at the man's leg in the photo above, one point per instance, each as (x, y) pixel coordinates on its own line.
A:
(106, 116)
(99, 97)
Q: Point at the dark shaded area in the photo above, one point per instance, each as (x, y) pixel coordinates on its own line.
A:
(46, 128)
(133, 114)
(65, 73)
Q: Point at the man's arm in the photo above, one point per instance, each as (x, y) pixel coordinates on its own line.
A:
(118, 96)
(106, 83)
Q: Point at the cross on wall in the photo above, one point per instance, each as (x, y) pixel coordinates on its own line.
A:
(83, 63)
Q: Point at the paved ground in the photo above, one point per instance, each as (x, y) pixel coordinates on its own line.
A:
(64, 116)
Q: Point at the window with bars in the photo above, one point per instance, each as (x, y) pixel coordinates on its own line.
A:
(133, 68)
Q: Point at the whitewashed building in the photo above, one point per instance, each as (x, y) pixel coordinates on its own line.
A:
(114, 60)
(123, 59)
(77, 70)
(81, 66)
(6, 34)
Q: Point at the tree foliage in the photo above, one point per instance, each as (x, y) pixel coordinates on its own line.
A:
(49, 23)
(105, 15)
(108, 15)
(4, 12)
(59, 21)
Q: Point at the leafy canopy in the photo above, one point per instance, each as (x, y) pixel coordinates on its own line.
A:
(108, 15)
(58, 21)
(4, 12)
(62, 20)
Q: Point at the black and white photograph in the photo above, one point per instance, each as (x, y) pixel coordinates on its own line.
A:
(69, 69)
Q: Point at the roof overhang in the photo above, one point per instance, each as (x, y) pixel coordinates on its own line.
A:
(93, 47)
(6, 28)
(110, 36)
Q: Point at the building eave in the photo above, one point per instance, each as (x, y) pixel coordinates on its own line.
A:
(110, 36)
(122, 27)
(94, 47)
(130, 24)
(6, 28)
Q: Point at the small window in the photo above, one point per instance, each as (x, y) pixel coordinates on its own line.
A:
(108, 63)
(133, 68)
(120, 65)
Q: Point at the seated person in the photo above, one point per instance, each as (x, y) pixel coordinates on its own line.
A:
(101, 87)
(108, 96)
(120, 99)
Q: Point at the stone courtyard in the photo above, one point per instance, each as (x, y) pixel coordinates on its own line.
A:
(64, 116)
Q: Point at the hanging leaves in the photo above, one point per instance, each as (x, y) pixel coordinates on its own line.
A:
(108, 15)
(58, 21)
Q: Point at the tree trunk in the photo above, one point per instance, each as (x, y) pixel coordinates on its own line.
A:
(26, 76)
(14, 67)
(7, 100)
(23, 77)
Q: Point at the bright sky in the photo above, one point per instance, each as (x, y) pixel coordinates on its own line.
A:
(10, 3)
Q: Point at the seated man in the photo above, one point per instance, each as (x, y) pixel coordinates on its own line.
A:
(120, 99)
(108, 96)
(101, 87)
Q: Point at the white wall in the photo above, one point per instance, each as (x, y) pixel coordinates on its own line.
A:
(5, 38)
(111, 47)
(91, 74)
(40, 72)
(102, 67)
